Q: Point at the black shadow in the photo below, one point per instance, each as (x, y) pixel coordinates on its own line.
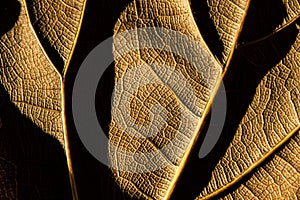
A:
(9, 14)
(37, 167)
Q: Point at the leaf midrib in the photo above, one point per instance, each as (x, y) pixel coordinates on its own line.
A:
(213, 94)
(62, 77)
(254, 166)
(273, 150)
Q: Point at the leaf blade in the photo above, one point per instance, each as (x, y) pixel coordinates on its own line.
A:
(256, 137)
(276, 179)
(29, 76)
(57, 25)
(142, 14)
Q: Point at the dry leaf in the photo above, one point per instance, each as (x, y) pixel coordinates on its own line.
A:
(35, 50)
(270, 121)
(182, 77)
(160, 164)
(265, 126)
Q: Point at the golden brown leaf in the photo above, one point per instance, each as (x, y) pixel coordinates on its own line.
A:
(262, 160)
(29, 77)
(271, 119)
(227, 16)
(27, 72)
(203, 75)
(277, 179)
(44, 33)
(56, 24)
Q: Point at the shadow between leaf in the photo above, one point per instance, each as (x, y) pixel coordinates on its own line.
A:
(249, 65)
(38, 162)
(206, 27)
(93, 179)
(9, 14)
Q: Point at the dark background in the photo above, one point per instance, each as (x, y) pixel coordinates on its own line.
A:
(41, 164)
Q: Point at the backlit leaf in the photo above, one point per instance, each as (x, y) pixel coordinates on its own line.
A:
(34, 50)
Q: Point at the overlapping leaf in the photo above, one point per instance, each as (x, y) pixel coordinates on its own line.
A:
(27, 72)
(261, 161)
(271, 119)
(204, 76)
(44, 33)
